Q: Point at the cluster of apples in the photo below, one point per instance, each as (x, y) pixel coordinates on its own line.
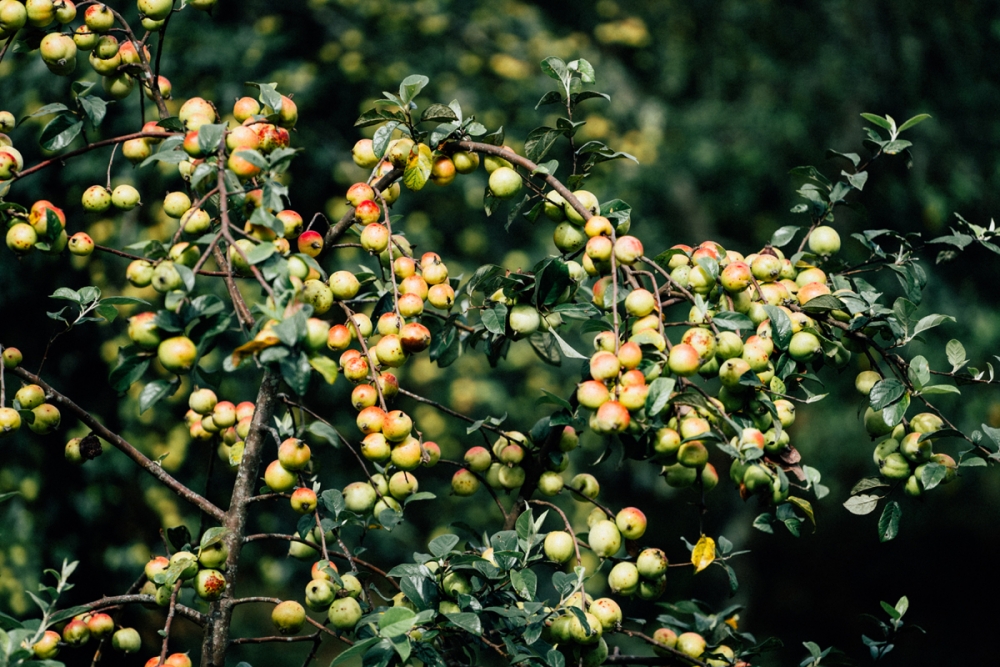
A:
(117, 62)
(11, 160)
(46, 417)
(444, 167)
(903, 451)
(84, 627)
(208, 418)
(693, 645)
(203, 571)
(328, 590)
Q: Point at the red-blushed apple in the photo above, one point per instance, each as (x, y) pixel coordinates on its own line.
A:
(631, 522)
(294, 454)
(304, 500)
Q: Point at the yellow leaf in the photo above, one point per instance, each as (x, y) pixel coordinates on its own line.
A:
(326, 367)
(262, 342)
(703, 554)
(805, 506)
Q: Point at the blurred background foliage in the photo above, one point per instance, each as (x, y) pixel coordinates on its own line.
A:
(717, 100)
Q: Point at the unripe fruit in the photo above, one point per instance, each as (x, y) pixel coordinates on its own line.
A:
(652, 563)
(81, 245)
(684, 360)
(30, 396)
(139, 273)
(142, 330)
(21, 238)
(623, 578)
(667, 638)
(865, 381)
(126, 640)
(288, 617)
(605, 539)
(303, 500)
(125, 197)
(278, 479)
(363, 153)
(631, 522)
(511, 478)
(210, 584)
(359, 497)
(294, 454)
(559, 546)
(607, 612)
(586, 484)
(177, 355)
(100, 624)
(96, 198)
(344, 613)
(317, 295)
(47, 419)
(611, 417)
(464, 483)
(213, 556)
(47, 647)
(505, 182)
(628, 250)
(550, 483)
(914, 449)
(691, 644)
(824, 240)
(926, 422)
(76, 633)
(804, 346)
(588, 634)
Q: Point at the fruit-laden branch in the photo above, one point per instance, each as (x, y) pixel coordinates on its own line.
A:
(119, 600)
(106, 434)
(242, 311)
(311, 621)
(154, 84)
(89, 147)
(514, 158)
(347, 219)
(122, 253)
(533, 473)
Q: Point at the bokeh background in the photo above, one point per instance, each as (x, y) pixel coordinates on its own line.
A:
(717, 100)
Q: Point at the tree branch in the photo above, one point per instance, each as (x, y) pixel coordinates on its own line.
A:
(99, 429)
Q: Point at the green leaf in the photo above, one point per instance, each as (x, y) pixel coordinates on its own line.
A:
(155, 391)
(555, 68)
(918, 372)
(130, 367)
(888, 523)
(783, 236)
(524, 582)
(781, 326)
(567, 350)
(125, 300)
(732, 321)
(209, 136)
(260, 252)
(212, 536)
(551, 97)
(495, 318)
(441, 546)
(919, 118)
(932, 474)
(439, 113)
(66, 294)
(862, 504)
(49, 108)
(877, 120)
(539, 141)
(939, 389)
(822, 303)
(930, 321)
(324, 431)
(295, 371)
(894, 413)
(60, 132)
(885, 393)
(356, 650)
(467, 621)
(956, 354)
(187, 276)
(658, 396)
(411, 87)
(94, 108)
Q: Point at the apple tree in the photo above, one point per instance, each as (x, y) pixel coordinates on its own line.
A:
(689, 361)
